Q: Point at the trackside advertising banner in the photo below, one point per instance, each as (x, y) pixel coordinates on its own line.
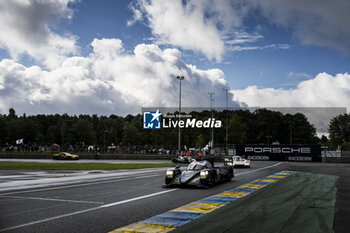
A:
(295, 153)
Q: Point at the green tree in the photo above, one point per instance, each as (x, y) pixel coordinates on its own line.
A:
(12, 114)
(237, 130)
(201, 141)
(29, 130)
(3, 131)
(301, 130)
(82, 129)
(53, 135)
(269, 126)
(339, 129)
(130, 134)
(324, 140)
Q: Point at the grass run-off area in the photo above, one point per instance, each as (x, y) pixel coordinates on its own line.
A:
(78, 166)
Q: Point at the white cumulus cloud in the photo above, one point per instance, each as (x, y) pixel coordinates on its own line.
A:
(212, 26)
(109, 81)
(197, 25)
(26, 30)
(324, 90)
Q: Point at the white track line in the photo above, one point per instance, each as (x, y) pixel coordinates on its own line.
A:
(48, 219)
(275, 165)
(52, 199)
(111, 180)
(87, 210)
(137, 198)
(45, 182)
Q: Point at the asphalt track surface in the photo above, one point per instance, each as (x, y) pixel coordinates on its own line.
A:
(104, 204)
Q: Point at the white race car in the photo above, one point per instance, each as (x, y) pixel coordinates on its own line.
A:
(237, 161)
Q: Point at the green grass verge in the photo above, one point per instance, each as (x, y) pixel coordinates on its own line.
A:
(303, 202)
(78, 166)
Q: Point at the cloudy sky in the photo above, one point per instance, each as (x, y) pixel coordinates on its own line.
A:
(114, 57)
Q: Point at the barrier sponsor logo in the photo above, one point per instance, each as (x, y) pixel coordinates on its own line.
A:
(299, 158)
(257, 157)
(302, 153)
(278, 150)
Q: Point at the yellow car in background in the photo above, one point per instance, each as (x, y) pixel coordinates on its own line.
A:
(65, 155)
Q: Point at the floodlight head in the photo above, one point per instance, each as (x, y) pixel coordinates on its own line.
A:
(180, 77)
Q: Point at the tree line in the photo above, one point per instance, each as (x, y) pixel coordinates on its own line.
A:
(339, 132)
(243, 127)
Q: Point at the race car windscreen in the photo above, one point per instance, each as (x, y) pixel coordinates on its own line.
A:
(199, 166)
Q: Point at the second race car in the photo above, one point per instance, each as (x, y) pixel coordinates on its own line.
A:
(237, 161)
(182, 159)
(65, 155)
(198, 174)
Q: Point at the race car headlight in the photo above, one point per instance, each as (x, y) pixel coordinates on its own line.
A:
(230, 163)
(169, 174)
(203, 174)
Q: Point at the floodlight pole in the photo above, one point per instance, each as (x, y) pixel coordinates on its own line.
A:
(212, 116)
(290, 133)
(179, 135)
(226, 136)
